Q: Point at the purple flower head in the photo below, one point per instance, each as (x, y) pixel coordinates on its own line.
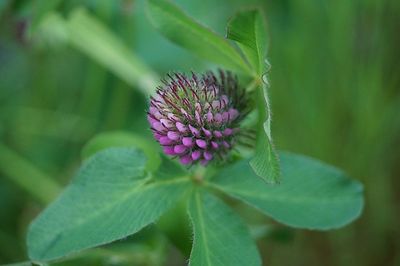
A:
(197, 118)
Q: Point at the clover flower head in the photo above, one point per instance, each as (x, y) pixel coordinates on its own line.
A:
(196, 118)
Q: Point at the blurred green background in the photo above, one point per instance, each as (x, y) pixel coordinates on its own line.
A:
(335, 92)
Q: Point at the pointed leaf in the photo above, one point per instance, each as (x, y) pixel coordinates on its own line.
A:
(311, 195)
(249, 30)
(220, 237)
(265, 162)
(178, 27)
(107, 200)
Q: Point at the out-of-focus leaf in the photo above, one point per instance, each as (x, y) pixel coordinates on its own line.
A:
(40, 9)
(52, 30)
(248, 29)
(178, 27)
(220, 237)
(91, 37)
(124, 139)
(312, 194)
(25, 263)
(109, 199)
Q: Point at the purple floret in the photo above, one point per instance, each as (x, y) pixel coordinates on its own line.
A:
(197, 118)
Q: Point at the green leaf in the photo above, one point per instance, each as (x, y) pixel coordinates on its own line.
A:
(220, 237)
(249, 30)
(91, 37)
(109, 199)
(124, 139)
(178, 27)
(26, 263)
(312, 194)
(265, 162)
(169, 169)
(40, 9)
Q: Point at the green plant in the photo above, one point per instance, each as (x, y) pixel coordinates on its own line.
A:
(125, 184)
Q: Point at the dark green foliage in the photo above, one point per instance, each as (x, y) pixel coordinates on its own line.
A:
(85, 67)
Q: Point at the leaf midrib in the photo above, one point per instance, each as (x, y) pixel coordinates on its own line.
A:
(201, 221)
(110, 206)
(281, 199)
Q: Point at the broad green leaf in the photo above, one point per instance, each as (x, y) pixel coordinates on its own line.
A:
(92, 38)
(249, 30)
(124, 139)
(220, 237)
(178, 27)
(168, 169)
(109, 199)
(312, 194)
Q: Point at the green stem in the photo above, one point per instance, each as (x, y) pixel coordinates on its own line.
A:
(25, 175)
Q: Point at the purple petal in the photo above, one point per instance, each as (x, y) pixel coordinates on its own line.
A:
(158, 115)
(198, 117)
(187, 141)
(201, 143)
(183, 111)
(196, 155)
(194, 130)
(216, 104)
(198, 106)
(218, 134)
(233, 113)
(173, 117)
(209, 117)
(169, 150)
(153, 110)
(151, 119)
(173, 135)
(181, 127)
(165, 141)
(226, 144)
(166, 123)
(158, 126)
(218, 118)
(207, 132)
(214, 145)
(157, 136)
(228, 131)
(225, 117)
(208, 155)
(179, 149)
(225, 100)
(186, 159)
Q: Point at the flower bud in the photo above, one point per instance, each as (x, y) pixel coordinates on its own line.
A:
(197, 118)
